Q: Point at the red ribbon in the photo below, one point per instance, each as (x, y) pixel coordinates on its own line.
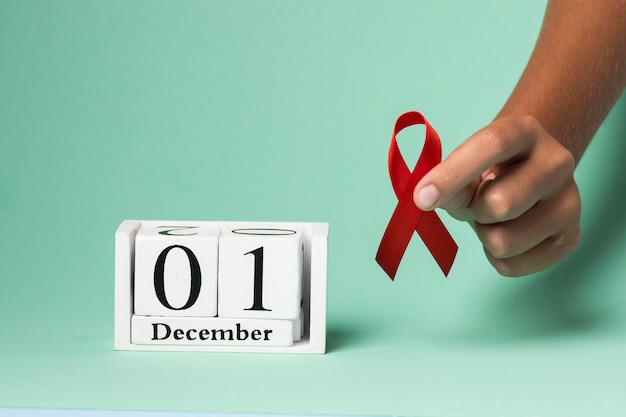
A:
(407, 217)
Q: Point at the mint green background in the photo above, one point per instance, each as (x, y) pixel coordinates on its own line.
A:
(282, 111)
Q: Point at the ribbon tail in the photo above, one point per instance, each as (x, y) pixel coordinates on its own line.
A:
(438, 240)
(397, 236)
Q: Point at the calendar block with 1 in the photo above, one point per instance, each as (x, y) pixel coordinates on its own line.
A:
(260, 273)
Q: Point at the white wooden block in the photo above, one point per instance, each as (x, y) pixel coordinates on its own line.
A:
(176, 270)
(214, 331)
(298, 327)
(260, 273)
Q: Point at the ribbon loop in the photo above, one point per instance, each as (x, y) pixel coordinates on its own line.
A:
(407, 217)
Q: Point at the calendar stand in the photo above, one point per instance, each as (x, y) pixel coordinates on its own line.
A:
(314, 275)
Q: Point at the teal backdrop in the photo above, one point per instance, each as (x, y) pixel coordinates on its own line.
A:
(282, 111)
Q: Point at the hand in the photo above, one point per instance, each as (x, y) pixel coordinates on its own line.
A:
(513, 182)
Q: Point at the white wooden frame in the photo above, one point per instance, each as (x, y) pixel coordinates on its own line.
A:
(314, 286)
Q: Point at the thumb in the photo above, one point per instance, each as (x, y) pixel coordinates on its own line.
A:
(433, 192)
(452, 183)
(426, 197)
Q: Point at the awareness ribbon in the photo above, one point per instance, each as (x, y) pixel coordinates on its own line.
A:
(407, 217)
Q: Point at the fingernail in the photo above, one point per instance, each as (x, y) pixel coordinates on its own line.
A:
(427, 197)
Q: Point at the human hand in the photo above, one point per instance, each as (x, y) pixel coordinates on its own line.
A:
(514, 184)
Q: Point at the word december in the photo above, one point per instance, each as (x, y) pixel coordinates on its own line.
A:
(238, 333)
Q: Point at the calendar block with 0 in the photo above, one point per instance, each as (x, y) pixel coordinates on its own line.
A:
(176, 271)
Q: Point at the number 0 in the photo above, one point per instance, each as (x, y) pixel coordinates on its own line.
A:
(159, 278)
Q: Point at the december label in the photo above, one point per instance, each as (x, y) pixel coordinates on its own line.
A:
(211, 331)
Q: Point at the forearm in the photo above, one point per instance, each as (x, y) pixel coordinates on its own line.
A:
(576, 72)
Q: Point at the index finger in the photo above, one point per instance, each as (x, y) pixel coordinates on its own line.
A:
(455, 177)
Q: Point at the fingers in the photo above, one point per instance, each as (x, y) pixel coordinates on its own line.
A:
(540, 257)
(513, 189)
(538, 238)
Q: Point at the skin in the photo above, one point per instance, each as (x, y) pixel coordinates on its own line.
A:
(513, 181)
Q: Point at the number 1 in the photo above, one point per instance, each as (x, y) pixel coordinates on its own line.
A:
(258, 280)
